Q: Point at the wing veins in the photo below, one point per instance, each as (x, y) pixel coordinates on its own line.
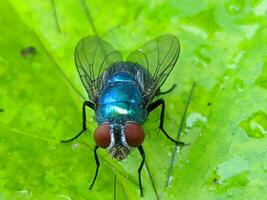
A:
(158, 65)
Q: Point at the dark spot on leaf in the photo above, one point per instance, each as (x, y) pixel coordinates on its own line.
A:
(261, 83)
(26, 52)
(209, 104)
(215, 181)
(1, 110)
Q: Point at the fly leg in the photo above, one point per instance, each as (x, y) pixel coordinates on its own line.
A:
(141, 151)
(169, 90)
(154, 105)
(97, 167)
(84, 128)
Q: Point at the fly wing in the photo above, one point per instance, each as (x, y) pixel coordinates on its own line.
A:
(92, 57)
(158, 58)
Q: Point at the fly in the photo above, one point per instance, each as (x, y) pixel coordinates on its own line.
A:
(26, 52)
(122, 93)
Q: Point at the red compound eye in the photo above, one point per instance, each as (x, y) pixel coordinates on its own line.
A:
(102, 136)
(134, 134)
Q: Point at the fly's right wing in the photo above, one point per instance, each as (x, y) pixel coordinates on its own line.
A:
(158, 58)
(92, 57)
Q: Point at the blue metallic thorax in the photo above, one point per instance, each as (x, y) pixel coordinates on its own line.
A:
(120, 100)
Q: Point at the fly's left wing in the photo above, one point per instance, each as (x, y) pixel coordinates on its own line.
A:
(92, 57)
(158, 58)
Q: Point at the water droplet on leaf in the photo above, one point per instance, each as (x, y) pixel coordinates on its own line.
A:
(256, 125)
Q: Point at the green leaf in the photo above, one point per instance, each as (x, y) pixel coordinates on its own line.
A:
(223, 50)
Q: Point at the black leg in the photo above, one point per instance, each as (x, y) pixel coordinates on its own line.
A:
(90, 105)
(97, 167)
(141, 151)
(161, 103)
(169, 90)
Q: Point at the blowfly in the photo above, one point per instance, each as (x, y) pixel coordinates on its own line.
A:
(122, 93)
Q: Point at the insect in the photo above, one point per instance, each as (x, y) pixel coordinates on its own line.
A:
(26, 52)
(122, 93)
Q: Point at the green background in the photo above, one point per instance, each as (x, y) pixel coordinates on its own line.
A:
(223, 49)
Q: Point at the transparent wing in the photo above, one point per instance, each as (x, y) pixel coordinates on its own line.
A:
(158, 57)
(92, 57)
